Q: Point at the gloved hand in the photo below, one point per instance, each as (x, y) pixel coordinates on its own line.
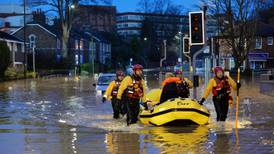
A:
(201, 102)
(238, 85)
(104, 99)
(145, 105)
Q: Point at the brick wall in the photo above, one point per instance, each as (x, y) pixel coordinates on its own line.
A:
(44, 39)
(96, 18)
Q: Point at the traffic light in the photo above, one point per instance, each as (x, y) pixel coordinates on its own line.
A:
(196, 28)
(186, 46)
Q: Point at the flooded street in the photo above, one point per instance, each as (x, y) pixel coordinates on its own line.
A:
(62, 115)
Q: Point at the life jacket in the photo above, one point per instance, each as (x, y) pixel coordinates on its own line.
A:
(183, 88)
(135, 89)
(222, 88)
(115, 89)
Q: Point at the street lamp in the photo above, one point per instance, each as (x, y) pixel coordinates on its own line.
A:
(145, 39)
(130, 61)
(72, 6)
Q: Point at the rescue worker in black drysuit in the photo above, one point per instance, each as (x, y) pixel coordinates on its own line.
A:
(220, 86)
(131, 91)
(111, 94)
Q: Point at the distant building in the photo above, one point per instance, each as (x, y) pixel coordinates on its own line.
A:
(261, 55)
(12, 17)
(16, 47)
(95, 18)
(90, 45)
(211, 27)
(130, 24)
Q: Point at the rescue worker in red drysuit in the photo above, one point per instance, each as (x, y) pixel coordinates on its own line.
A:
(133, 89)
(111, 94)
(220, 86)
(174, 87)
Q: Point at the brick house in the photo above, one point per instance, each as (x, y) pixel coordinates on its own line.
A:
(89, 45)
(16, 47)
(95, 18)
(261, 55)
(38, 37)
(82, 45)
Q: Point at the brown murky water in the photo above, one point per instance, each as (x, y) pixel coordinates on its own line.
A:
(61, 115)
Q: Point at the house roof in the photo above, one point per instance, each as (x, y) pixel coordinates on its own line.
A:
(102, 36)
(98, 36)
(264, 29)
(35, 24)
(7, 36)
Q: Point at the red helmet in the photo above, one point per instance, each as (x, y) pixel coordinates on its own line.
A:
(217, 69)
(178, 72)
(137, 67)
(120, 73)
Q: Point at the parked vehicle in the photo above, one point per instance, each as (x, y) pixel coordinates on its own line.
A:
(103, 81)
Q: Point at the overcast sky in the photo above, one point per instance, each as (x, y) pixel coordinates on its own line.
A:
(131, 5)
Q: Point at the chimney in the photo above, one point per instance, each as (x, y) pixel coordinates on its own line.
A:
(7, 25)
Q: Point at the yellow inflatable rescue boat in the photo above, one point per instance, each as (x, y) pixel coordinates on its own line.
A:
(177, 111)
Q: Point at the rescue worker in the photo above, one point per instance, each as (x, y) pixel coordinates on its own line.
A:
(220, 86)
(174, 87)
(111, 94)
(133, 89)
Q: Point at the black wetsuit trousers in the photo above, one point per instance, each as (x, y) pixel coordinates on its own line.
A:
(133, 109)
(118, 107)
(221, 107)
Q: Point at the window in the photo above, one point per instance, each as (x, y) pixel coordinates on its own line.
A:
(258, 44)
(15, 49)
(269, 40)
(32, 41)
(76, 44)
(58, 44)
(81, 44)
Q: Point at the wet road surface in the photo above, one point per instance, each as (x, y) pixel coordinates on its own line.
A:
(62, 115)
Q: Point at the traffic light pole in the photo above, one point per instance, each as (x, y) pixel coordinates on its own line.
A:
(186, 51)
(199, 52)
(161, 63)
(180, 51)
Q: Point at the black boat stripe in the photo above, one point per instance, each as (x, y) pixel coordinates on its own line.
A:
(171, 110)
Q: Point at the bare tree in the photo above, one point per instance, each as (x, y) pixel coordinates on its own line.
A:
(237, 24)
(156, 29)
(65, 11)
(160, 7)
(145, 6)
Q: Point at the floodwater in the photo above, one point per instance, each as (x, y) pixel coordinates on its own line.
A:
(63, 115)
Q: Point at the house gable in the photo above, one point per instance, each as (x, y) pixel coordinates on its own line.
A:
(38, 35)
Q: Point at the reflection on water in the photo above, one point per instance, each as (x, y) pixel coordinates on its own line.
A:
(63, 115)
(172, 140)
(120, 142)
